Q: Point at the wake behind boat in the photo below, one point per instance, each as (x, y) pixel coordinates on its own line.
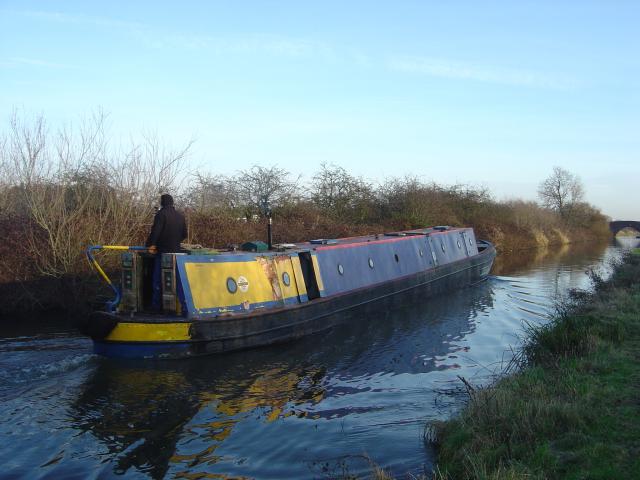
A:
(219, 301)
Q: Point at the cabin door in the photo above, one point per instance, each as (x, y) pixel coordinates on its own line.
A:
(433, 251)
(465, 240)
(306, 264)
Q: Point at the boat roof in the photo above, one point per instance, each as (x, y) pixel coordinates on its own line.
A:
(328, 243)
(375, 237)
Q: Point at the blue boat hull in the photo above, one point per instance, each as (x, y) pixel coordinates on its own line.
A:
(226, 333)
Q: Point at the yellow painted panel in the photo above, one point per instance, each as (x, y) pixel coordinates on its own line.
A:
(299, 277)
(150, 332)
(283, 264)
(208, 283)
(316, 269)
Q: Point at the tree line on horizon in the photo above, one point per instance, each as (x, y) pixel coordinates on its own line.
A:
(61, 191)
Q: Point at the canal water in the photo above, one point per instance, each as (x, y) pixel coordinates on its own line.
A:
(322, 407)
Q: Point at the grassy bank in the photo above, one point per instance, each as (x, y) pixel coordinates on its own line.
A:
(572, 411)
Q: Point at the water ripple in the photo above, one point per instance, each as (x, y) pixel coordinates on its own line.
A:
(314, 408)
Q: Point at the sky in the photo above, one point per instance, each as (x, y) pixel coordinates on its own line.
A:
(493, 94)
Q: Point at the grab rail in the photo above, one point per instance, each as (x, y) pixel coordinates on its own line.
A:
(112, 304)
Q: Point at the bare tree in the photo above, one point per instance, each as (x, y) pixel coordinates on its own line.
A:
(260, 187)
(73, 189)
(560, 191)
(206, 193)
(337, 192)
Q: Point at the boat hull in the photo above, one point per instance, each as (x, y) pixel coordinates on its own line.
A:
(181, 338)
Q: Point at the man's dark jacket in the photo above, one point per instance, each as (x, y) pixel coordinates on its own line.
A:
(169, 229)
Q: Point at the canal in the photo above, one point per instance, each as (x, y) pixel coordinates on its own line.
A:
(322, 407)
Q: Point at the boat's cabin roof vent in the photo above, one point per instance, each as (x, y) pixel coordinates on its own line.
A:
(324, 241)
(254, 246)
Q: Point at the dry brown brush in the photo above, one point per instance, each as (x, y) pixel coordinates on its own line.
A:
(64, 189)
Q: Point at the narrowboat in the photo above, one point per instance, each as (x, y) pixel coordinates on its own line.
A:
(219, 301)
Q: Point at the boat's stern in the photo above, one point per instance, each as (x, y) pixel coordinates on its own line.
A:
(147, 337)
(133, 325)
(139, 336)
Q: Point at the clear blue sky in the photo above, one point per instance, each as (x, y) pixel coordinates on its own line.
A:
(488, 93)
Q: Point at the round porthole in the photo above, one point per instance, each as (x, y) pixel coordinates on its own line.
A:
(459, 246)
(232, 286)
(286, 279)
(395, 255)
(371, 263)
(421, 252)
(442, 246)
(340, 269)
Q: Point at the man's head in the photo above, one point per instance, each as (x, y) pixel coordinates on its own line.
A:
(166, 200)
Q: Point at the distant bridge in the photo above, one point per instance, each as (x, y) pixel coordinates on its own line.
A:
(616, 226)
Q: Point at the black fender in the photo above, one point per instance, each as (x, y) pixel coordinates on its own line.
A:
(98, 325)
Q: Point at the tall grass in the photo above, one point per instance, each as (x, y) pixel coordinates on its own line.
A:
(571, 410)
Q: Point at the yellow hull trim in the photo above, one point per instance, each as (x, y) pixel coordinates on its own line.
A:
(150, 332)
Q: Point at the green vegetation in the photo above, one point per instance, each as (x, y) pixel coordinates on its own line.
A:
(572, 411)
(61, 191)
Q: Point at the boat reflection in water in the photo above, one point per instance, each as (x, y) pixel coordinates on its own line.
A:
(280, 412)
(144, 412)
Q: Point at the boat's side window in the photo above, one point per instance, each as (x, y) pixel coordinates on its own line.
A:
(232, 286)
(421, 252)
(442, 246)
(395, 255)
(340, 269)
(286, 279)
(459, 246)
(370, 262)
(470, 242)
